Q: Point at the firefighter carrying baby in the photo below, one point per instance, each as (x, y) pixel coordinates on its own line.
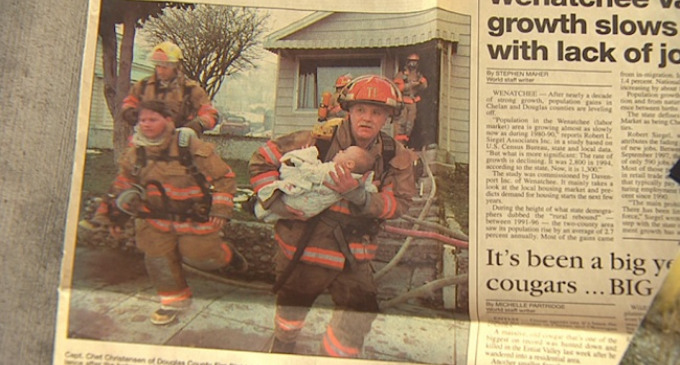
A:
(332, 250)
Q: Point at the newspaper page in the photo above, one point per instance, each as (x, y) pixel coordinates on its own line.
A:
(106, 296)
(572, 115)
(577, 220)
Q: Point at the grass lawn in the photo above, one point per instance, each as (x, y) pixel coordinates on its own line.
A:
(100, 170)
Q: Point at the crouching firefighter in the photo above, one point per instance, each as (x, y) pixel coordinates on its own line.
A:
(180, 193)
(331, 251)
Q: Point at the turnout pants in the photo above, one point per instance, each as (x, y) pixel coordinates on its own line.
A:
(405, 122)
(353, 292)
(164, 253)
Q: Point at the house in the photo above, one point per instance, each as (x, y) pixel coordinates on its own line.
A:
(314, 51)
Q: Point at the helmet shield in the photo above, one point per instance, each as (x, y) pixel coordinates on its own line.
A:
(372, 89)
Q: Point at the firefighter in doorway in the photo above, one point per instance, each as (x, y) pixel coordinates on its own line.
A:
(411, 83)
(329, 107)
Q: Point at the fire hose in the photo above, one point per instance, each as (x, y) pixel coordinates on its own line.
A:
(428, 288)
(455, 239)
(224, 280)
(457, 234)
(426, 234)
(423, 213)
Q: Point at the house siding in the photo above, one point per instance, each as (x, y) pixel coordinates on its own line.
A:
(454, 112)
(389, 35)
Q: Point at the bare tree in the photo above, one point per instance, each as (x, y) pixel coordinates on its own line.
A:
(117, 68)
(216, 41)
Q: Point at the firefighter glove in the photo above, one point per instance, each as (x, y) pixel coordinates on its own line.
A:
(357, 196)
(130, 116)
(197, 125)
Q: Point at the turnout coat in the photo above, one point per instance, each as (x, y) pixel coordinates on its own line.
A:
(394, 180)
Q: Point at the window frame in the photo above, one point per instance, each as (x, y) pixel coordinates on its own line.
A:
(316, 61)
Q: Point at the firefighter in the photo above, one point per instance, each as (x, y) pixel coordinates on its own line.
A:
(181, 195)
(330, 107)
(190, 104)
(410, 82)
(331, 251)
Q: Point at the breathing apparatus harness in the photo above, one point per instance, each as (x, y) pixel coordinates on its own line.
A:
(131, 201)
(342, 227)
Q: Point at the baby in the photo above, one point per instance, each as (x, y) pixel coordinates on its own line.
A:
(355, 158)
(301, 180)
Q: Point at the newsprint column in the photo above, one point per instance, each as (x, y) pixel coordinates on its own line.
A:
(578, 111)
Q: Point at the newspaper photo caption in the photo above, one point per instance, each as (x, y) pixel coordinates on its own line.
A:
(114, 355)
(578, 112)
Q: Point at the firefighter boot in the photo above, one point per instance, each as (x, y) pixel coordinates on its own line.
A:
(90, 226)
(165, 273)
(237, 263)
(163, 316)
(167, 313)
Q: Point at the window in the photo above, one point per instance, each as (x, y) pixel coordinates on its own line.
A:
(317, 76)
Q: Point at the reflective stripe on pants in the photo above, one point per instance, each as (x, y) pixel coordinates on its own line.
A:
(353, 290)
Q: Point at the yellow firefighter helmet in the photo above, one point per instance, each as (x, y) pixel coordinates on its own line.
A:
(165, 52)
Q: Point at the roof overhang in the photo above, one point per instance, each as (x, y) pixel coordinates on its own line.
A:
(330, 30)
